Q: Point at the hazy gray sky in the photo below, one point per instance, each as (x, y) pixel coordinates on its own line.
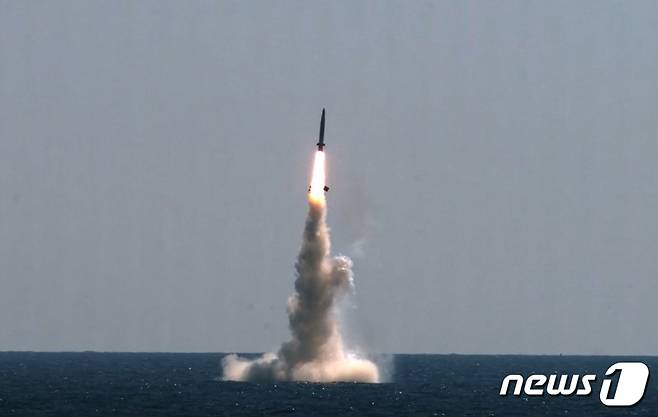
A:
(493, 169)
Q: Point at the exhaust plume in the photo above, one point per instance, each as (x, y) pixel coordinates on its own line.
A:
(315, 351)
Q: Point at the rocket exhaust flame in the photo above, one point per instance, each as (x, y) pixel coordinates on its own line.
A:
(316, 190)
(315, 351)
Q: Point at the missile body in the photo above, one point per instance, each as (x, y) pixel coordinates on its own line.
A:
(321, 140)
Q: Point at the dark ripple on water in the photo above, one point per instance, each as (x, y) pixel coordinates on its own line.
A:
(182, 384)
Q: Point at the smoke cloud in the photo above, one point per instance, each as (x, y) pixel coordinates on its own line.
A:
(315, 351)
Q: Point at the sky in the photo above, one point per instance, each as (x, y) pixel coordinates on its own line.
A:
(492, 169)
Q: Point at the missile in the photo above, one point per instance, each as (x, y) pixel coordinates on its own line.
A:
(321, 141)
(320, 146)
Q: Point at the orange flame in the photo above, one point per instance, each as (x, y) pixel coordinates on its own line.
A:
(316, 193)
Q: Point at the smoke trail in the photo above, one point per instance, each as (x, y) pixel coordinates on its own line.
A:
(316, 351)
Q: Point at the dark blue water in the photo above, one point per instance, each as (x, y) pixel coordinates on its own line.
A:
(181, 384)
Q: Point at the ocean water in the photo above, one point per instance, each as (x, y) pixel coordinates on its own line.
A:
(183, 384)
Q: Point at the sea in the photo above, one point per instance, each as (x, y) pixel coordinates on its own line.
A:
(189, 384)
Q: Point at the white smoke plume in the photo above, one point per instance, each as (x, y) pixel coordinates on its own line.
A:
(315, 352)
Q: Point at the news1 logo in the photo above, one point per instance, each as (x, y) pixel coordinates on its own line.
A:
(623, 385)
